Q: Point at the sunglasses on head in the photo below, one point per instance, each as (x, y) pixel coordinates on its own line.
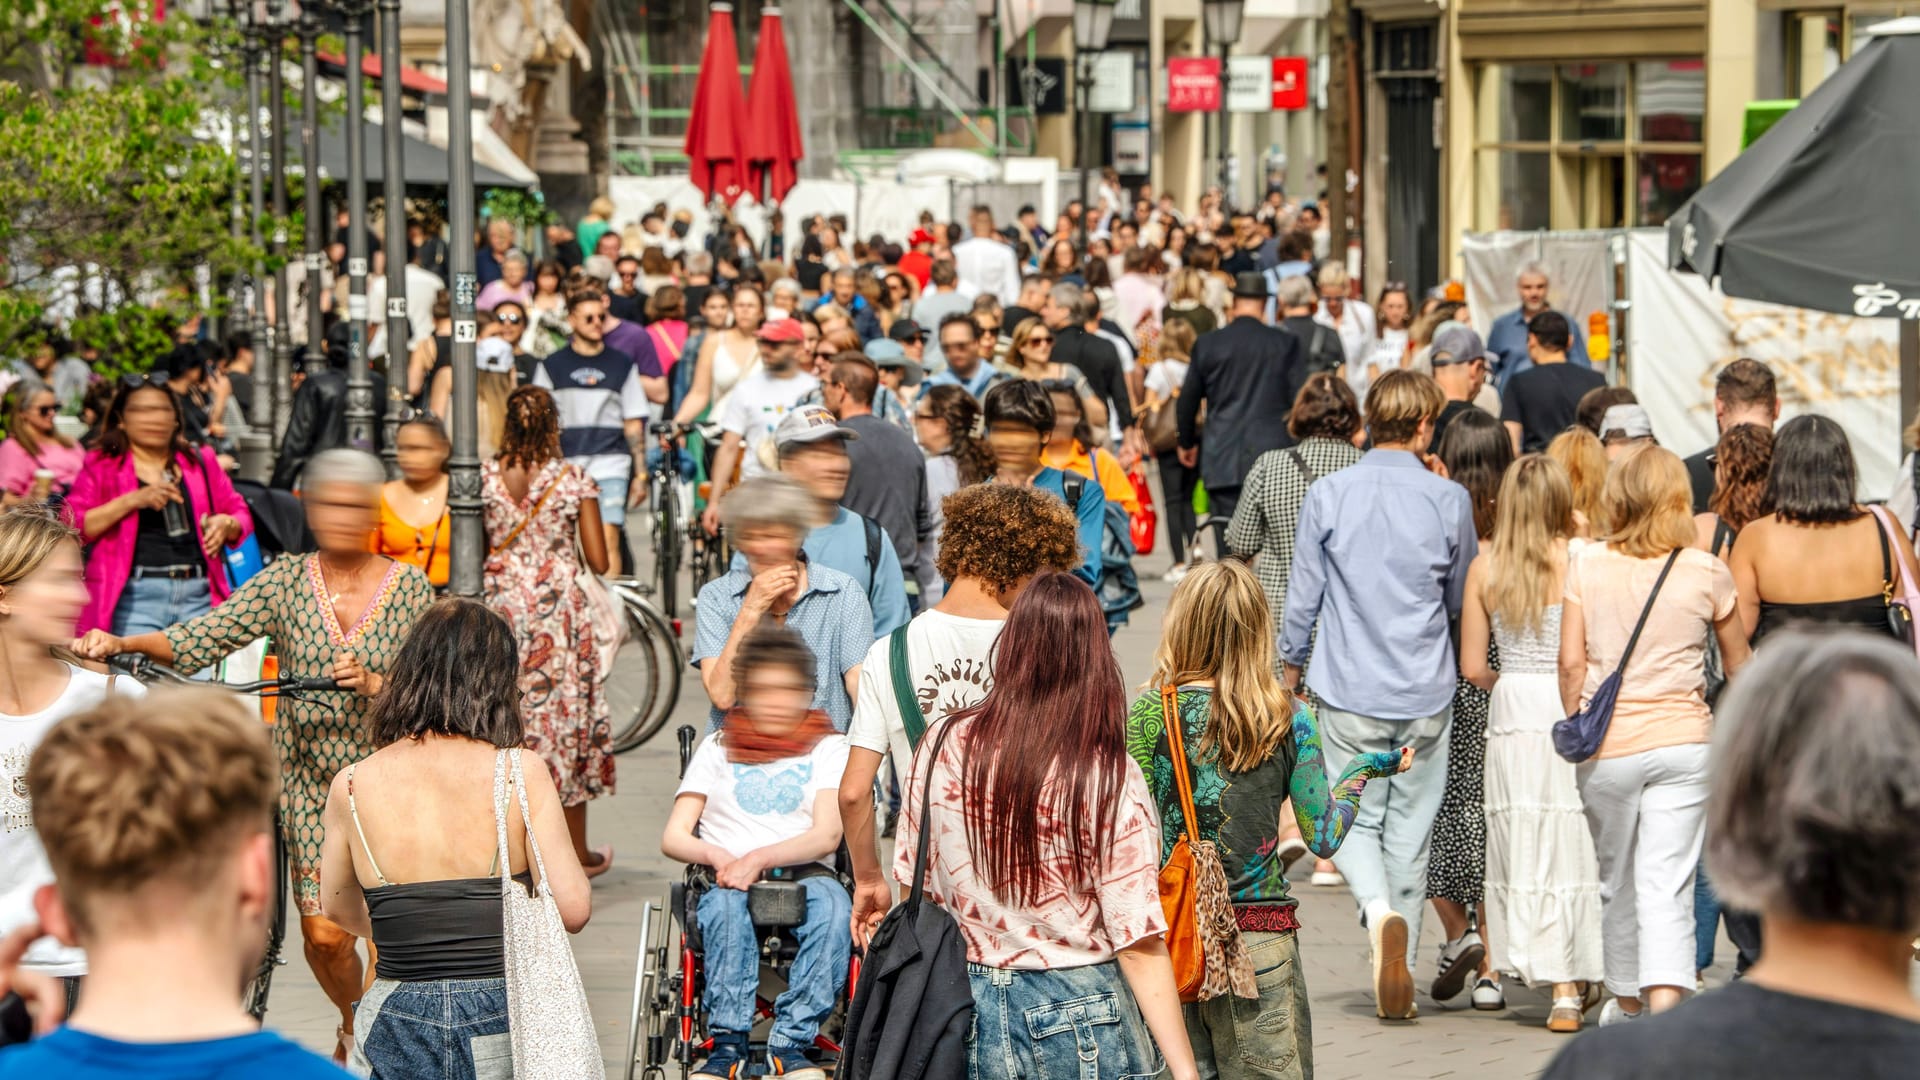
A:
(133, 380)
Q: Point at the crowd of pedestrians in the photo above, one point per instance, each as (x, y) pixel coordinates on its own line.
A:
(935, 467)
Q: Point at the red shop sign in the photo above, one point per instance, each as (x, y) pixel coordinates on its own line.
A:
(1193, 84)
(1289, 82)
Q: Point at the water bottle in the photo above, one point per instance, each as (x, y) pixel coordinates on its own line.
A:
(179, 520)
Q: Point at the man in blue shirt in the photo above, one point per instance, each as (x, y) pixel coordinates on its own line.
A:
(1019, 416)
(602, 400)
(172, 912)
(1380, 567)
(813, 452)
(1507, 337)
(960, 344)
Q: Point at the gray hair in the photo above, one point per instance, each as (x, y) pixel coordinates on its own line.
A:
(698, 262)
(598, 267)
(343, 466)
(784, 285)
(1531, 267)
(1296, 291)
(769, 502)
(1815, 782)
(514, 255)
(1066, 294)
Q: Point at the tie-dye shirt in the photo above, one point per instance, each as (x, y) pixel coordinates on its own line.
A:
(1240, 812)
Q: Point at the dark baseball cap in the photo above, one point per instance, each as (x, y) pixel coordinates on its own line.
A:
(906, 330)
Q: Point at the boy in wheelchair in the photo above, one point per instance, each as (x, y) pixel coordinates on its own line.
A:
(760, 796)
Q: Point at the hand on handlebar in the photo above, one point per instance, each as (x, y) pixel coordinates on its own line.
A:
(97, 644)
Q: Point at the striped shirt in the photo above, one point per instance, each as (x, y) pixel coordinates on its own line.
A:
(595, 395)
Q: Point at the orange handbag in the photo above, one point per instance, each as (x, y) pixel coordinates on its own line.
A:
(1178, 886)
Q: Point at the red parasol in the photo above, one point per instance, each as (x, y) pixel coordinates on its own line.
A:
(773, 121)
(715, 160)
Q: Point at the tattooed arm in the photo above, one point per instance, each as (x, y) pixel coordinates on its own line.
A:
(1324, 811)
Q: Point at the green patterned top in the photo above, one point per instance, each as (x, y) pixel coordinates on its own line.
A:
(315, 739)
(1240, 812)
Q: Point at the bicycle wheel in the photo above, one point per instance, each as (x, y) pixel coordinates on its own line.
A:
(666, 544)
(647, 674)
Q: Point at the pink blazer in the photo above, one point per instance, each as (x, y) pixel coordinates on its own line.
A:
(110, 555)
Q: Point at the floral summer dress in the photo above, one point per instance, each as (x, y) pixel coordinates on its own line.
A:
(530, 583)
(288, 602)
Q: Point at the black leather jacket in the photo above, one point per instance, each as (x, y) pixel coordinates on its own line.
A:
(319, 422)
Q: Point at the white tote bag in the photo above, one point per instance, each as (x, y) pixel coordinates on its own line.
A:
(547, 1015)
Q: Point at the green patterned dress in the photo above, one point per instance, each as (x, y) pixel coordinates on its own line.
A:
(288, 603)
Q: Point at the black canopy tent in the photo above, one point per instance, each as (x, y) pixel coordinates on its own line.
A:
(1823, 211)
(423, 164)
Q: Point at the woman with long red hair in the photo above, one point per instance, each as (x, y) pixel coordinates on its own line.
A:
(1063, 909)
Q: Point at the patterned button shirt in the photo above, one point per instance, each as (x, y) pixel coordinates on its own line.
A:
(1264, 523)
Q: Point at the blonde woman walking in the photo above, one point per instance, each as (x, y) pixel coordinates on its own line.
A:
(1542, 894)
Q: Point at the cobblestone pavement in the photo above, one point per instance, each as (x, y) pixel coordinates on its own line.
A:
(1349, 1043)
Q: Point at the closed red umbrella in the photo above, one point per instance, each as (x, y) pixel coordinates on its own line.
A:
(715, 158)
(773, 121)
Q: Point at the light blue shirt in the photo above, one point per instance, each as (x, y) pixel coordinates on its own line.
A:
(1508, 337)
(1380, 564)
(985, 377)
(842, 545)
(831, 617)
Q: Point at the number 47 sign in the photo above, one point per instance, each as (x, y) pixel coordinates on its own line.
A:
(1266, 83)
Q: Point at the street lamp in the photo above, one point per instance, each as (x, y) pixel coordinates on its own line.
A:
(399, 331)
(1222, 19)
(1092, 25)
(308, 31)
(359, 381)
(468, 535)
(281, 382)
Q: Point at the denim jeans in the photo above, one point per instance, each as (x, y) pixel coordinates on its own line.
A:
(732, 961)
(1234, 1038)
(450, 1029)
(1076, 1023)
(155, 603)
(1706, 918)
(1385, 854)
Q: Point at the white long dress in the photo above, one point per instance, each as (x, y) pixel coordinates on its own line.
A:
(1543, 882)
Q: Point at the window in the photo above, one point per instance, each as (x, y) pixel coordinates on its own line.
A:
(1587, 144)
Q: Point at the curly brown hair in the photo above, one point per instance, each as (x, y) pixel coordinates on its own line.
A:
(1741, 465)
(532, 435)
(1003, 535)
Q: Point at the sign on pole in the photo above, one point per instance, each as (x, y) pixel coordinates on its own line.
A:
(1266, 83)
(1112, 88)
(1289, 82)
(1193, 84)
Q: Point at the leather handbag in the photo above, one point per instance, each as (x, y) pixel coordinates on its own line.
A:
(1579, 736)
(547, 1015)
(1897, 587)
(1203, 939)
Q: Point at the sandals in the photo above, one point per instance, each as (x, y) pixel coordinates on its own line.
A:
(1566, 1015)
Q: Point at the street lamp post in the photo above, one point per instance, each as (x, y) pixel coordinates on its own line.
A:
(468, 534)
(1222, 18)
(256, 447)
(280, 375)
(393, 151)
(359, 379)
(308, 30)
(1092, 25)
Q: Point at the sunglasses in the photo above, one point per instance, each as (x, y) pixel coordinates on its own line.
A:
(133, 380)
(46, 410)
(1038, 339)
(510, 320)
(592, 320)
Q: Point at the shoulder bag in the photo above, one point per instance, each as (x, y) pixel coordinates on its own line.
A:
(1897, 587)
(1579, 736)
(910, 716)
(1209, 960)
(550, 1025)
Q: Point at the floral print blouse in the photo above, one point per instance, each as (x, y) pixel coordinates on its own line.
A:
(1240, 812)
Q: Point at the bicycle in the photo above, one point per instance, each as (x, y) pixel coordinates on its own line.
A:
(150, 673)
(652, 646)
(678, 536)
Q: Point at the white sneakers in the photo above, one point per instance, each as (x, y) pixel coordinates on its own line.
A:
(1487, 996)
(1392, 982)
(1611, 1013)
(1459, 958)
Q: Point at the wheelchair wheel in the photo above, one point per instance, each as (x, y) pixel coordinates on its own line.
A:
(654, 1027)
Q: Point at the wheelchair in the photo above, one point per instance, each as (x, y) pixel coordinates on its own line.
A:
(668, 1027)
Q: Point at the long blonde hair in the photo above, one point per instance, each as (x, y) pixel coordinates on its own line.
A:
(1218, 627)
(1649, 503)
(1533, 517)
(1579, 452)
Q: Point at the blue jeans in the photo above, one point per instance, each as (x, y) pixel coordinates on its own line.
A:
(1385, 854)
(1706, 918)
(155, 603)
(1079, 1023)
(732, 960)
(450, 1029)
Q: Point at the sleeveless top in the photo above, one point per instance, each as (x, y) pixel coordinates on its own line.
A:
(727, 371)
(426, 931)
(1867, 613)
(1529, 652)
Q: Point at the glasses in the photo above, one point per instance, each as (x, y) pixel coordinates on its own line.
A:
(133, 380)
(629, 273)
(1039, 339)
(826, 354)
(46, 410)
(592, 320)
(510, 320)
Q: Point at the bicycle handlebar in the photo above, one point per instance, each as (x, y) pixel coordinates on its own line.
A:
(141, 667)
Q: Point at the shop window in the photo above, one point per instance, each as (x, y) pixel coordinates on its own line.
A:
(1587, 144)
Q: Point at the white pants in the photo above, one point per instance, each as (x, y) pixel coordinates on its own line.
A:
(1647, 813)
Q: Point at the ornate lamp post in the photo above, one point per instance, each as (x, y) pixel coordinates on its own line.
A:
(359, 380)
(468, 537)
(393, 152)
(1222, 18)
(281, 375)
(308, 30)
(1092, 25)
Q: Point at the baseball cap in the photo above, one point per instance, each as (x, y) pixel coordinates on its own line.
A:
(1249, 285)
(918, 237)
(1458, 343)
(1626, 422)
(904, 330)
(782, 331)
(493, 355)
(809, 424)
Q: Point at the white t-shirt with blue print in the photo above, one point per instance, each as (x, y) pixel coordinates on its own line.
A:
(751, 806)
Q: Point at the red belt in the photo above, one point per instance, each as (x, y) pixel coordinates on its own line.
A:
(1266, 918)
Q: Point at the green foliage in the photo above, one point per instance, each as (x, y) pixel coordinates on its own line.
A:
(113, 168)
(527, 210)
